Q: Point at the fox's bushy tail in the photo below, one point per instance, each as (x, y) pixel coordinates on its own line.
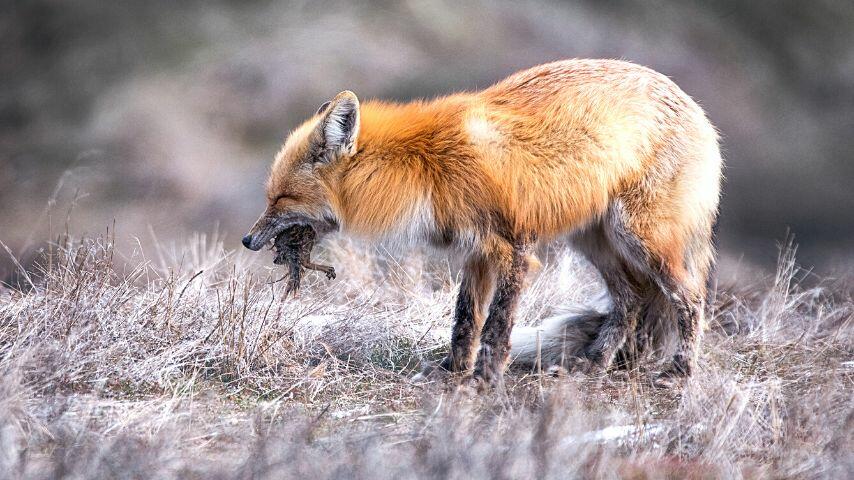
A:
(558, 340)
(561, 340)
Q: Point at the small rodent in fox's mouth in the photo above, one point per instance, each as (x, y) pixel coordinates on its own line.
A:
(293, 249)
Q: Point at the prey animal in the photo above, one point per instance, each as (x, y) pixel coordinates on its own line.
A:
(293, 248)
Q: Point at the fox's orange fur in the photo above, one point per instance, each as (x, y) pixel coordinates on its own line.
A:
(610, 154)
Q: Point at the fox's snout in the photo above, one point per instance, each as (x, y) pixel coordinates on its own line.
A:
(272, 223)
(247, 242)
(267, 227)
(254, 241)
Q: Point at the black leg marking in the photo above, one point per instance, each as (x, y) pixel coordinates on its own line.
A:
(462, 334)
(620, 322)
(689, 312)
(495, 338)
(623, 289)
(468, 316)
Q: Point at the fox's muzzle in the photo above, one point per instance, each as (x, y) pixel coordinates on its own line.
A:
(247, 242)
(254, 242)
(271, 224)
(265, 229)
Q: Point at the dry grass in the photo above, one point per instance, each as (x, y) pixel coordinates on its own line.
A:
(188, 364)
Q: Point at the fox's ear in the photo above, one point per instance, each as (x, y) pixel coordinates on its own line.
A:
(323, 108)
(340, 124)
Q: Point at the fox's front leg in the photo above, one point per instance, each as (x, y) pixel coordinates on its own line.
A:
(511, 265)
(475, 288)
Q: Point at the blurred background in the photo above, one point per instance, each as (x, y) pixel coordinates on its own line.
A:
(164, 116)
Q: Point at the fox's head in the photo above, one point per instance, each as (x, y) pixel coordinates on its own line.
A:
(300, 189)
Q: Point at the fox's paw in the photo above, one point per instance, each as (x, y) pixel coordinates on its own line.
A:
(667, 380)
(593, 362)
(430, 372)
(579, 365)
(488, 371)
(454, 364)
(483, 383)
(674, 374)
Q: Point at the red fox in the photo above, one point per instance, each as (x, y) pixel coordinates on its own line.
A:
(609, 154)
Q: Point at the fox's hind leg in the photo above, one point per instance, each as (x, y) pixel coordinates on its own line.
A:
(623, 289)
(469, 314)
(689, 315)
(674, 261)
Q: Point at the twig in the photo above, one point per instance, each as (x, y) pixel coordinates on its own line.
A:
(18, 265)
(188, 284)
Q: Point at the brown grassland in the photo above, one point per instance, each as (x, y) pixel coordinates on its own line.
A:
(186, 362)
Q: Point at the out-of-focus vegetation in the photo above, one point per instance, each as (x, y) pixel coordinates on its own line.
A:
(166, 114)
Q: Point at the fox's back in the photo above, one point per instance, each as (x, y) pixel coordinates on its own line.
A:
(588, 91)
(607, 107)
(567, 137)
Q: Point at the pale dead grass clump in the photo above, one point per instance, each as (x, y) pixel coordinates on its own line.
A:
(190, 364)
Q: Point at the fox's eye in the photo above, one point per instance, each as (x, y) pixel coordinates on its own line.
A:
(281, 197)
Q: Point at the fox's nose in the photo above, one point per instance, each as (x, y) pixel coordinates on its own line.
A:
(247, 241)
